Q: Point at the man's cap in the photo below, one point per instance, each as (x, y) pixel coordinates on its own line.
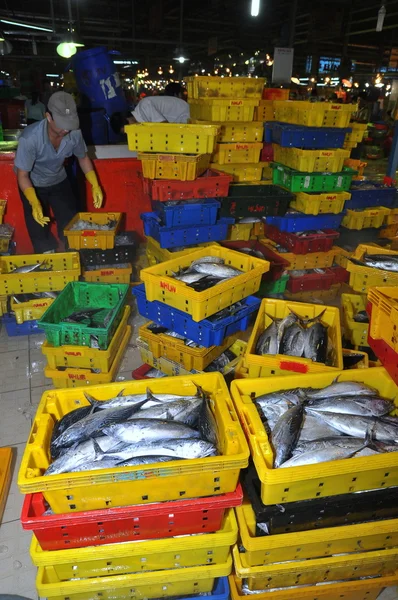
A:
(63, 109)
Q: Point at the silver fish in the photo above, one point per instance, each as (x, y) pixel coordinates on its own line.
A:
(28, 268)
(184, 411)
(134, 399)
(386, 262)
(293, 341)
(356, 426)
(316, 343)
(175, 448)
(207, 424)
(272, 412)
(284, 324)
(155, 373)
(147, 460)
(151, 430)
(79, 455)
(216, 270)
(189, 277)
(331, 442)
(315, 429)
(95, 465)
(250, 220)
(366, 406)
(208, 259)
(294, 396)
(285, 434)
(319, 456)
(342, 388)
(267, 343)
(94, 424)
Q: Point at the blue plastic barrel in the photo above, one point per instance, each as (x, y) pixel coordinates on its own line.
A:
(98, 80)
(94, 126)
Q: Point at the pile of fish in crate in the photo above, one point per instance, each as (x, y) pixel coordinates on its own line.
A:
(130, 491)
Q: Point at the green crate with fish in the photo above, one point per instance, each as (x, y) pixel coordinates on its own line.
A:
(205, 281)
(320, 434)
(143, 454)
(31, 273)
(85, 314)
(294, 337)
(372, 266)
(93, 230)
(355, 319)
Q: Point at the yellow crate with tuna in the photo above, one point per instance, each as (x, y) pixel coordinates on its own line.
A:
(355, 331)
(363, 219)
(162, 345)
(142, 484)
(237, 153)
(318, 204)
(312, 571)
(106, 274)
(268, 365)
(311, 161)
(384, 321)
(362, 277)
(352, 356)
(91, 237)
(318, 480)
(390, 232)
(32, 309)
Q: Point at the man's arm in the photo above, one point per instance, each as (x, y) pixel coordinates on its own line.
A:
(23, 179)
(86, 164)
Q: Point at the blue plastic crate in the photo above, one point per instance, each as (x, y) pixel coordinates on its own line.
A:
(299, 136)
(366, 194)
(291, 223)
(203, 212)
(207, 332)
(14, 329)
(220, 590)
(171, 237)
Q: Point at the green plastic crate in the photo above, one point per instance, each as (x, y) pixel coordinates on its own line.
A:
(297, 181)
(75, 297)
(273, 287)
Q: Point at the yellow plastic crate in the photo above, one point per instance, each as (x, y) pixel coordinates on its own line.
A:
(357, 134)
(240, 231)
(242, 172)
(318, 114)
(315, 543)
(74, 492)
(65, 267)
(357, 165)
(160, 255)
(362, 364)
(3, 204)
(265, 366)
(265, 111)
(161, 286)
(172, 137)
(392, 217)
(183, 167)
(83, 357)
(5, 477)
(332, 568)
(135, 586)
(356, 333)
(341, 256)
(317, 480)
(315, 296)
(93, 238)
(136, 556)
(237, 132)
(222, 109)
(318, 204)
(363, 219)
(224, 87)
(389, 232)
(303, 261)
(238, 153)
(350, 145)
(106, 275)
(3, 305)
(165, 346)
(78, 377)
(311, 161)
(358, 589)
(33, 309)
(384, 321)
(257, 230)
(363, 278)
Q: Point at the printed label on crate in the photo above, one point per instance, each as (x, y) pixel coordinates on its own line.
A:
(166, 157)
(69, 353)
(40, 305)
(335, 107)
(334, 197)
(108, 272)
(256, 209)
(165, 285)
(242, 147)
(89, 232)
(236, 103)
(326, 153)
(76, 376)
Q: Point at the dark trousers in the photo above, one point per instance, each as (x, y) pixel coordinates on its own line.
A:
(62, 201)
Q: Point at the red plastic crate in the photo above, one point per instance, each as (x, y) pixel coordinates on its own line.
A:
(267, 153)
(278, 264)
(212, 184)
(341, 275)
(141, 372)
(125, 523)
(315, 242)
(387, 356)
(311, 281)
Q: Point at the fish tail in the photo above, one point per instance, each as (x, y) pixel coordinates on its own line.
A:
(93, 402)
(99, 453)
(151, 397)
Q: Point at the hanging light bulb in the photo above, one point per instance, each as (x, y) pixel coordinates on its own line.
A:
(160, 71)
(171, 70)
(380, 18)
(255, 8)
(66, 49)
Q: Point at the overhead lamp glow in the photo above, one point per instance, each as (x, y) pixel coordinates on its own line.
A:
(27, 25)
(295, 80)
(181, 59)
(66, 49)
(255, 8)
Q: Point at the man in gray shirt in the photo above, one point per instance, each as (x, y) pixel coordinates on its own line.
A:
(39, 164)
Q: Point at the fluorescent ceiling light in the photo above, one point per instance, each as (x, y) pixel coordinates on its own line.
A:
(255, 9)
(66, 50)
(27, 25)
(125, 62)
(51, 75)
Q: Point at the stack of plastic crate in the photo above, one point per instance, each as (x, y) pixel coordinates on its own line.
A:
(28, 286)
(320, 530)
(86, 333)
(106, 252)
(309, 161)
(189, 329)
(370, 207)
(133, 530)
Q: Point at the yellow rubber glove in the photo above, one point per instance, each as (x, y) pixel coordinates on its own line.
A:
(37, 210)
(98, 196)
